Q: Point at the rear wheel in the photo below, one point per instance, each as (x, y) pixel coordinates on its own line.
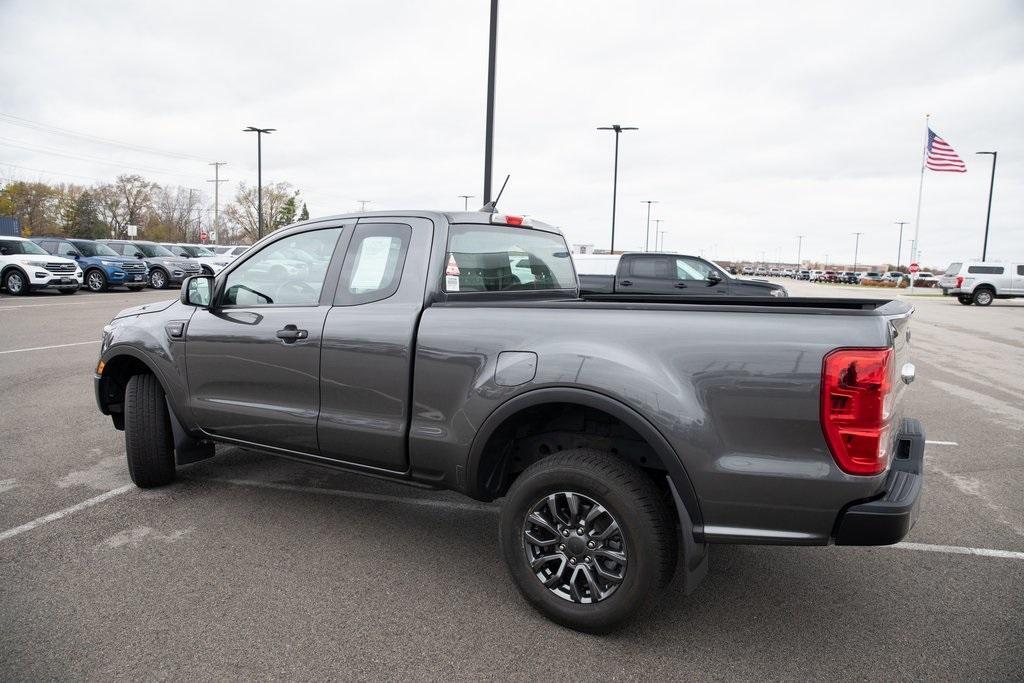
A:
(16, 282)
(147, 432)
(588, 539)
(965, 299)
(96, 281)
(983, 296)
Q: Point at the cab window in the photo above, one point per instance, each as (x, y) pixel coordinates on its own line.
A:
(692, 269)
(288, 272)
(374, 263)
(483, 258)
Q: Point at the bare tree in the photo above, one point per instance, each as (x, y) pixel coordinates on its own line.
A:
(242, 216)
(125, 202)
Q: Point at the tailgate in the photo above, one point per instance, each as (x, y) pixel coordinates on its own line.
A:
(900, 337)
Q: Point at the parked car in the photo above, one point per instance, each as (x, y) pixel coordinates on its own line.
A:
(26, 267)
(815, 274)
(980, 282)
(102, 266)
(871, 276)
(762, 271)
(803, 275)
(825, 276)
(655, 273)
(847, 277)
(748, 270)
(895, 276)
(925, 278)
(165, 268)
(787, 272)
(231, 252)
(616, 429)
(207, 260)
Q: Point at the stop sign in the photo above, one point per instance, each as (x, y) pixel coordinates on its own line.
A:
(203, 236)
(914, 267)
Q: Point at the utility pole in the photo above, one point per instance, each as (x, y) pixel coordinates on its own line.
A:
(260, 132)
(363, 203)
(492, 55)
(647, 235)
(216, 196)
(662, 233)
(465, 201)
(856, 248)
(799, 248)
(657, 229)
(615, 177)
(899, 247)
(988, 215)
(184, 228)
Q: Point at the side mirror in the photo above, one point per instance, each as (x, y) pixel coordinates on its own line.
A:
(139, 254)
(75, 255)
(714, 278)
(197, 291)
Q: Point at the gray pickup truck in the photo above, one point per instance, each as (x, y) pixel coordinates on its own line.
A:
(454, 351)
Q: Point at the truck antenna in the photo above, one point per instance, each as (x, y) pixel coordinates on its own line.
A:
(492, 206)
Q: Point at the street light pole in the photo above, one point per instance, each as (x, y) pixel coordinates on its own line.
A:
(492, 55)
(799, 248)
(856, 248)
(988, 215)
(662, 233)
(216, 196)
(260, 132)
(657, 229)
(899, 248)
(465, 200)
(615, 177)
(363, 203)
(647, 234)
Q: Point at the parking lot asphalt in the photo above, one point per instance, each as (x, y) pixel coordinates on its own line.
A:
(254, 567)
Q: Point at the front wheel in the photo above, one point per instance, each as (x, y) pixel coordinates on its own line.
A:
(96, 281)
(158, 279)
(965, 299)
(16, 282)
(147, 432)
(983, 297)
(588, 539)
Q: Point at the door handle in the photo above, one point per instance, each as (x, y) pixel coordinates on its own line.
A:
(680, 285)
(626, 283)
(291, 333)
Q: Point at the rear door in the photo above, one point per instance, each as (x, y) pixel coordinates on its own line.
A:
(368, 344)
(253, 358)
(646, 274)
(1017, 279)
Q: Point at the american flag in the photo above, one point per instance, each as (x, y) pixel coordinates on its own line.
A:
(942, 157)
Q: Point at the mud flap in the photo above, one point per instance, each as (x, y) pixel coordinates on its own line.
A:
(187, 449)
(695, 555)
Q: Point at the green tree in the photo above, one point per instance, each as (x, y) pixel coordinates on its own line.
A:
(286, 214)
(304, 216)
(82, 217)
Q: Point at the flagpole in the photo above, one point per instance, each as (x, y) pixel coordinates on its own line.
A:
(920, 193)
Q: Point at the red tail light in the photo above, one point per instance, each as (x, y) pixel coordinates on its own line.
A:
(959, 281)
(855, 410)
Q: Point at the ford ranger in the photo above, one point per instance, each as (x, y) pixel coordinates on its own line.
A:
(625, 433)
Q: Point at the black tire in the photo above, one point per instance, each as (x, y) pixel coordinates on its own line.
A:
(147, 433)
(633, 501)
(96, 280)
(158, 278)
(16, 282)
(965, 299)
(983, 296)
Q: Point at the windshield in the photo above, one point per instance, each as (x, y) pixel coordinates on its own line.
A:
(21, 247)
(93, 249)
(953, 269)
(191, 250)
(492, 259)
(151, 250)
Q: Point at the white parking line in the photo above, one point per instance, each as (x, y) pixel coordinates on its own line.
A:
(942, 443)
(55, 346)
(961, 550)
(60, 514)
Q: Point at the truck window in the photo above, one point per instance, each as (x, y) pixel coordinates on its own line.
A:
(953, 269)
(288, 272)
(985, 270)
(493, 259)
(692, 269)
(374, 263)
(649, 266)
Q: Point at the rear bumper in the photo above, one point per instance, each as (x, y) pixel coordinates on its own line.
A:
(888, 518)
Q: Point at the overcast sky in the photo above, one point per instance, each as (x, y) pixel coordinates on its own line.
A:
(758, 121)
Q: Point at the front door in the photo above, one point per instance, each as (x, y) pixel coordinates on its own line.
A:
(253, 358)
(699, 277)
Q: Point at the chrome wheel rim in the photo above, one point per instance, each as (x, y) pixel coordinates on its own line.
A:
(15, 283)
(157, 279)
(95, 281)
(575, 547)
(984, 298)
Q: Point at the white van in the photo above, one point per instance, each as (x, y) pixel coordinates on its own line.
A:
(979, 282)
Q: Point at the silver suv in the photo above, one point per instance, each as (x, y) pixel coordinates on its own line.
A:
(979, 282)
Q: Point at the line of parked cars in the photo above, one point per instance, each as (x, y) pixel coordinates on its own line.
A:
(67, 264)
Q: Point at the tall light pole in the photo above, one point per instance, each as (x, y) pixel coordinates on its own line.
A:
(615, 177)
(363, 203)
(647, 234)
(216, 195)
(260, 132)
(799, 248)
(662, 233)
(492, 55)
(465, 201)
(657, 229)
(899, 247)
(988, 215)
(856, 248)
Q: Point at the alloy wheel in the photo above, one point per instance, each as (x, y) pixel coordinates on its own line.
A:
(575, 547)
(157, 279)
(15, 283)
(95, 281)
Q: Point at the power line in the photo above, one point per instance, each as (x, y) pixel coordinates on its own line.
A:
(40, 170)
(27, 123)
(97, 160)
